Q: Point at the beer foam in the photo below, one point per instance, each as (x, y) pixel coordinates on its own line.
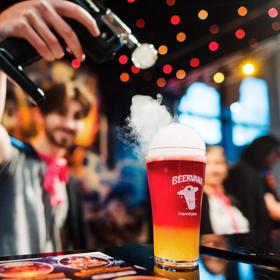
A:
(147, 117)
(175, 141)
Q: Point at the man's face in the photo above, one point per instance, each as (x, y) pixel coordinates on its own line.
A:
(62, 128)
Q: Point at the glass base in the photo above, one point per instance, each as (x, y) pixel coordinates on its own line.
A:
(175, 265)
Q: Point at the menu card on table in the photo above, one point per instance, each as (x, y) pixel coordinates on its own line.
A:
(94, 266)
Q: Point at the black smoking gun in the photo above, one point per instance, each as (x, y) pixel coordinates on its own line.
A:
(15, 53)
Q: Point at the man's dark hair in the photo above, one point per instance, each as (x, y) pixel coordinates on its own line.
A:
(58, 94)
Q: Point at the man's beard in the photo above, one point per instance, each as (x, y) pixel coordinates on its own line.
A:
(64, 142)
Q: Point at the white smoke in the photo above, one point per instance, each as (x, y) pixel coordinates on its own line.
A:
(147, 116)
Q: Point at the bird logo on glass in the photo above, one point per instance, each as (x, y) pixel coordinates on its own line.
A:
(189, 194)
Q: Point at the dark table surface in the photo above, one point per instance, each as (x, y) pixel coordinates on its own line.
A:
(246, 256)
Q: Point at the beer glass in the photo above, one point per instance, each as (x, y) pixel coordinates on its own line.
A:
(175, 167)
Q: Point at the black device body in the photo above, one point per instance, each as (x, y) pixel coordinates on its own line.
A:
(16, 53)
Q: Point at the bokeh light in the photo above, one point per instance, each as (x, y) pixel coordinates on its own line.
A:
(273, 12)
(214, 29)
(240, 33)
(135, 70)
(242, 11)
(180, 74)
(276, 26)
(181, 37)
(202, 14)
(248, 69)
(194, 62)
(130, 1)
(175, 20)
(167, 69)
(124, 77)
(123, 59)
(218, 77)
(213, 46)
(170, 2)
(140, 23)
(76, 63)
(161, 82)
(162, 50)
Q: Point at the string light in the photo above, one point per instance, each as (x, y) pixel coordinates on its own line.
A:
(161, 82)
(242, 11)
(194, 62)
(218, 77)
(240, 33)
(124, 77)
(276, 26)
(175, 20)
(202, 14)
(180, 74)
(162, 50)
(167, 68)
(273, 12)
(214, 29)
(170, 2)
(140, 23)
(181, 37)
(213, 46)
(134, 69)
(123, 59)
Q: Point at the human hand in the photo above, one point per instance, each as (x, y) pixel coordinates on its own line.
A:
(34, 21)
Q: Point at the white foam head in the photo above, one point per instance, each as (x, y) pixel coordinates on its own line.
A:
(177, 140)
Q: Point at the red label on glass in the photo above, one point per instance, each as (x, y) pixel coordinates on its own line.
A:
(176, 190)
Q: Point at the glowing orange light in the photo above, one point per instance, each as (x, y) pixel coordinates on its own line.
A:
(214, 29)
(76, 63)
(161, 82)
(202, 14)
(124, 77)
(123, 59)
(181, 37)
(242, 11)
(167, 68)
(194, 62)
(140, 23)
(134, 69)
(276, 26)
(213, 46)
(170, 2)
(240, 33)
(180, 74)
(175, 20)
(273, 12)
(162, 50)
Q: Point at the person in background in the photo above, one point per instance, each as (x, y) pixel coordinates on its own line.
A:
(252, 182)
(219, 213)
(39, 204)
(39, 212)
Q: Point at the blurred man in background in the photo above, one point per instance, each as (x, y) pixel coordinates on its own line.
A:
(40, 213)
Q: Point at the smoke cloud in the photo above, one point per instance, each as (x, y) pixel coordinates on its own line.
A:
(147, 116)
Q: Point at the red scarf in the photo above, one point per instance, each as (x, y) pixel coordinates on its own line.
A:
(56, 169)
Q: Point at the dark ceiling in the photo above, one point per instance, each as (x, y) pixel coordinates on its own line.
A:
(257, 24)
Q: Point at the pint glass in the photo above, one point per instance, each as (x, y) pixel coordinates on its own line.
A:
(175, 167)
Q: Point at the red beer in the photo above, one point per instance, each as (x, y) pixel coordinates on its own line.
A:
(176, 186)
